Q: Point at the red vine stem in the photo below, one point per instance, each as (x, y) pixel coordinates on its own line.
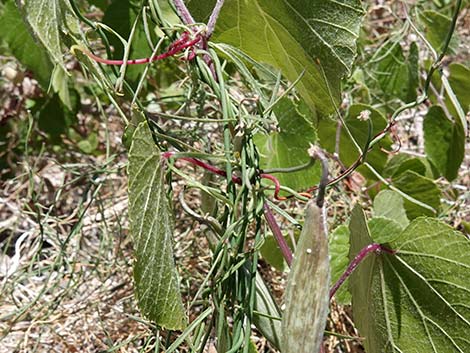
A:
(218, 171)
(184, 42)
(374, 247)
(281, 242)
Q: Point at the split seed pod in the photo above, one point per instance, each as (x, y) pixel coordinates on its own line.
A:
(307, 299)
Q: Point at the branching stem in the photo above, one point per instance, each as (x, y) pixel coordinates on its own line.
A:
(374, 247)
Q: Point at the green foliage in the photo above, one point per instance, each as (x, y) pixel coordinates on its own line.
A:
(389, 204)
(272, 254)
(422, 189)
(384, 230)
(288, 147)
(307, 287)
(397, 75)
(50, 20)
(315, 36)
(348, 151)
(435, 28)
(14, 33)
(413, 300)
(339, 249)
(120, 16)
(444, 142)
(151, 225)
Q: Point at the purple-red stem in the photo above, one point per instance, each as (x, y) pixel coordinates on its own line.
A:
(374, 247)
(281, 242)
(235, 179)
(178, 46)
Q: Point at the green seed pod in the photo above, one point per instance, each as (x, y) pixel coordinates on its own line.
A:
(307, 299)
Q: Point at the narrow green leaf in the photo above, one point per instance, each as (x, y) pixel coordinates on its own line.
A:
(304, 319)
(421, 189)
(288, 147)
(444, 142)
(22, 45)
(417, 300)
(389, 204)
(151, 226)
(291, 35)
(267, 316)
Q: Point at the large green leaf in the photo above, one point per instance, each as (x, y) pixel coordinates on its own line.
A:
(151, 226)
(304, 319)
(444, 142)
(422, 189)
(293, 35)
(49, 21)
(22, 45)
(417, 300)
(289, 146)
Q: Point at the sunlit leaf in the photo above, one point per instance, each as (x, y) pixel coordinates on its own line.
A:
(348, 151)
(151, 226)
(384, 230)
(422, 189)
(292, 36)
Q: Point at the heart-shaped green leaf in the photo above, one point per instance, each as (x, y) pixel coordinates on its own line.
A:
(418, 299)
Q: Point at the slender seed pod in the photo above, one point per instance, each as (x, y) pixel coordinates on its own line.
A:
(307, 300)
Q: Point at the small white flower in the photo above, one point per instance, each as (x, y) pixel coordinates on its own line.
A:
(364, 115)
